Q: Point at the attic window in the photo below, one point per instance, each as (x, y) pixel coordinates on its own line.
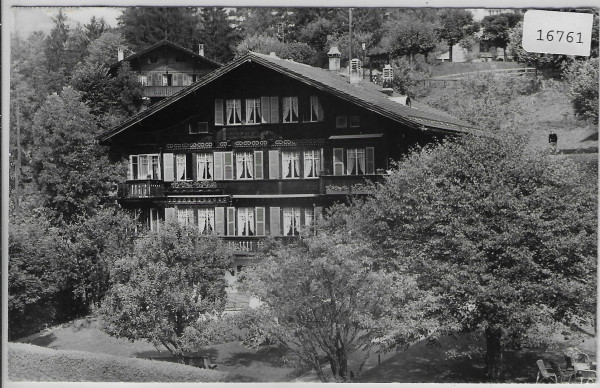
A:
(354, 121)
(152, 59)
(341, 121)
(197, 127)
(180, 58)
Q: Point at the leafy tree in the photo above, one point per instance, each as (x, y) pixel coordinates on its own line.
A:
(173, 280)
(144, 26)
(583, 80)
(496, 29)
(455, 25)
(409, 37)
(325, 297)
(55, 50)
(219, 36)
(36, 273)
(104, 49)
(119, 96)
(407, 76)
(551, 63)
(71, 171)
(94, 245)
(264, 44)
(506, 237)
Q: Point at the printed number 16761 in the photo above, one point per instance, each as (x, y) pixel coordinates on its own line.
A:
(570, 37)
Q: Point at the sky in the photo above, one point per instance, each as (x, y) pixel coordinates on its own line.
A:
(25, 20)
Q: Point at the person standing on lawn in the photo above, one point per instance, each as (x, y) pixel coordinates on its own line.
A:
(553, 139)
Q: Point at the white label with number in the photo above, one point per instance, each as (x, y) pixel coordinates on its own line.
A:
(554, 32)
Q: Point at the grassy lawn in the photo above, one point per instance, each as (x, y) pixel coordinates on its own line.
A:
(420, 363)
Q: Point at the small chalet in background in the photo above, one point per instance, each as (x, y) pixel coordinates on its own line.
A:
(260, 146)
(166, 68)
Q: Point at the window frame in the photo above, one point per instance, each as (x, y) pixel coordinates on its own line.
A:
(291, 100)
(287, 154)
(237, 107)
(253, 105)
(341, 121)
(247, 157)
(153, 159)
(313, 157)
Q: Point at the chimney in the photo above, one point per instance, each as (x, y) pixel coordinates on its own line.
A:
(121, 54)
(355, 71)
(334, 58)
(201, 49)
(388, 80)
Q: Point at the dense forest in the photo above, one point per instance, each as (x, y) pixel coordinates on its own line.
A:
(67, 232)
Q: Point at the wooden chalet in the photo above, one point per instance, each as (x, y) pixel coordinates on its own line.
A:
(259, 146)
(166, 68)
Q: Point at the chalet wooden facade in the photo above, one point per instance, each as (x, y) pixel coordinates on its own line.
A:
(166, 68)
(258, 147)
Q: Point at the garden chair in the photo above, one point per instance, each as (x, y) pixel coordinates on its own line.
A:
(207, 364)
(561, 376)
(543, 373)
(585, 376)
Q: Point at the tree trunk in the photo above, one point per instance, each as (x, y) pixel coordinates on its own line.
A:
(504, 48)
(450, 52)
(493, 357)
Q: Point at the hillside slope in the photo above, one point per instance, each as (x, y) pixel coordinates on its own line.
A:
(33, 363)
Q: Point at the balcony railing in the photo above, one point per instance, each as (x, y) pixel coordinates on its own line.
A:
(348, 184)
(161, 91)
(140, 189)
(244, 243)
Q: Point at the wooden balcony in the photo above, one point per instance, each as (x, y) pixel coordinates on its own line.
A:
(348, 184)
(243, 245)
(140, 189)
(161, 91)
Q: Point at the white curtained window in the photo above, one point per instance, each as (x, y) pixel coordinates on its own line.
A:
(204, 164)
(356, 161)
(234, 111)
(291, 221)
(291, 164)
(244, 165)
(290, 109)
(253, 111)
(185, 216)
(206, 221)
(312, 163)
(246, 221)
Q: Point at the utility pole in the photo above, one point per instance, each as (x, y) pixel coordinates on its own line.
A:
(350, 34)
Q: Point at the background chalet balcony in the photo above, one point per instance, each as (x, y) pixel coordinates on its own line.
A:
(348, 184)
(251, 244)
(161, 91)
(140, 189)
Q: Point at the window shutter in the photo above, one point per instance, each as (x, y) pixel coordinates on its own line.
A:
(170, 214)
(220, 220)
(169, 173)
(274, 104)
(258, 165)
(338, 161)
(265, 109)
(370, 160)
(275, 221)
(274, 164)
(218, 112)
(228, 165)
(194, 167)
(259, 216)
(218, 166)
(231, 221)
(130, 169)
(322, 161)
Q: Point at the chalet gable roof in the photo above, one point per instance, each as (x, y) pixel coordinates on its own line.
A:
(365, 94)
(168, 43)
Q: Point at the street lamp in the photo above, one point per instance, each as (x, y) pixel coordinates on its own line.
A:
(364, 46)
